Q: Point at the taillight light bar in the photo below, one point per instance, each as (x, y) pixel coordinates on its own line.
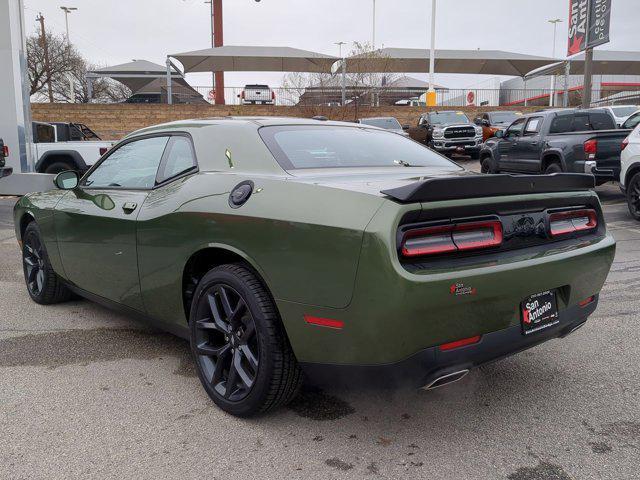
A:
(590, 148)
(5, 151)
(451, 238)
(564, 223)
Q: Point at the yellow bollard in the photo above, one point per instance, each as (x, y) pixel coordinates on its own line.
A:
(431, 98)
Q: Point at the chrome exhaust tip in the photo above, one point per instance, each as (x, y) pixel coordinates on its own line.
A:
(446, 380)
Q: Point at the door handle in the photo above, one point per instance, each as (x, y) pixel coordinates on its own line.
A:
(129, 207)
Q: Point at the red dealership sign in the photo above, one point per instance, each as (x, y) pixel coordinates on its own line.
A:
(589, 24)
(578, 22)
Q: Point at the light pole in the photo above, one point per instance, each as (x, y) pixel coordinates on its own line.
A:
(373, 40)
(431, 94)
(552, 96)
(340, 47)
(67, 11)
(343, 71)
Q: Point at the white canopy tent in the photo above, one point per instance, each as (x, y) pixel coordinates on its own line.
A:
(605, 62)
(234, 58)
(414, 60)
(142, 76)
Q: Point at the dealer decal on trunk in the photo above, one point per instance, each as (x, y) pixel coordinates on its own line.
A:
(462, 289)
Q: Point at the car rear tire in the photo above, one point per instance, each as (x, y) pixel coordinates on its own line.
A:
(57, 167)
(633, 196)
(43, 284)
(242, 354)
(553, 168)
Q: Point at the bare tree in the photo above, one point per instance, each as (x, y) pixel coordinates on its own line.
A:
(65, 64)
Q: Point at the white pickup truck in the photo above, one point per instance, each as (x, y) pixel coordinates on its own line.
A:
(66, 146)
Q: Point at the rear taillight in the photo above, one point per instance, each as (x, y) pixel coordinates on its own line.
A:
(625, 143)
(460, 343)
(563, 223)
(590, 148)
(273, 95)
(242, 95)
(103, 150)
(451, 238)
(5, 151)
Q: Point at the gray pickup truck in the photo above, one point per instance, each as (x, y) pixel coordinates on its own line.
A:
(554, 141)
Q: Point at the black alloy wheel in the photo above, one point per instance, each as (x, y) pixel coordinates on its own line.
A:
(43, 284)
(242, 353)
(226, 343)
(633, 196)
(33, 261)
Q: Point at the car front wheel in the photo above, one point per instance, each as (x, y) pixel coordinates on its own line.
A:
(242, 354)
(43, 284)
(633, 196)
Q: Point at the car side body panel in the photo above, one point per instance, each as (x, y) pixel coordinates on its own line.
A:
(288, 231)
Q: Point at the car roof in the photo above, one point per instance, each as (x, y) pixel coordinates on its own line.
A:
(378, 118)
(248, 121)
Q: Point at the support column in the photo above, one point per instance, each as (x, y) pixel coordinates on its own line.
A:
(588, 80)
(15, 114)
(218, 42)
(169, 92)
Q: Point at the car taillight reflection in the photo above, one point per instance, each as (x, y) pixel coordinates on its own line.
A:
(563, 223)
(451, 238)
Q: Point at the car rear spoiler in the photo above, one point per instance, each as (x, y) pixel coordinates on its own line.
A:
(475, 186)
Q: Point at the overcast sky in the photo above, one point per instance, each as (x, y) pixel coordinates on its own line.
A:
(109, 32)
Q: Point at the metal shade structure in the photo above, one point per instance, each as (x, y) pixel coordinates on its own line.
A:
(605, 62)
(136, 74)
(233, 58)
(479, 62)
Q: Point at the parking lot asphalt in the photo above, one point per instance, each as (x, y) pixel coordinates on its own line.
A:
(88, 393)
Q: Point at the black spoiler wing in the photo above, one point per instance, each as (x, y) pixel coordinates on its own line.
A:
(475, 186)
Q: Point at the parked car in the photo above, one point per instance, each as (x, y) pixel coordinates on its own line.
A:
(410, 102)
(630, 171)
(4, 153)
(631, 122)
(63, 146)
(283, 245)
(450, 132)
(620, 113)
(491, 122)
(388, 123)
(252, 94)
(554, 141)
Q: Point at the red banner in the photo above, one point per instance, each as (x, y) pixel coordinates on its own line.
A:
(578, 21)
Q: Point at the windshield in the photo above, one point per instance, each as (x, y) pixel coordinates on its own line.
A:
(624, 111)
(505, 117)
(442, 118)
(330, 146)
(388, 123)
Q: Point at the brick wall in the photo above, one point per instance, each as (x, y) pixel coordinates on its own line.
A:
(113, 121)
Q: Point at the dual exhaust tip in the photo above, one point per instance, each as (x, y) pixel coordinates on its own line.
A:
(447, 379)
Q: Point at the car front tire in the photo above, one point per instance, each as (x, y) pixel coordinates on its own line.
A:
(486, 166)
(242, 354)
(43, 284)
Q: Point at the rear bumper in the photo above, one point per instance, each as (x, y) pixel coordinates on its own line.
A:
(428, 365)
(601, 175)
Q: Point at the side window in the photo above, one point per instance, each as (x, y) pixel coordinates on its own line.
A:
(601, 121)
(133, 165)
(516, 128)
(632, 121)
(178, 158)
(533, 126)
(581, 122)
(561, 124)
(486, 117)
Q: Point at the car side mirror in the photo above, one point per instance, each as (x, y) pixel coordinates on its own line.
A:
(499, 134)
(67, 180)
(406, 127)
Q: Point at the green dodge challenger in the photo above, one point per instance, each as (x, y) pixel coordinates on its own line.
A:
(279, 246)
